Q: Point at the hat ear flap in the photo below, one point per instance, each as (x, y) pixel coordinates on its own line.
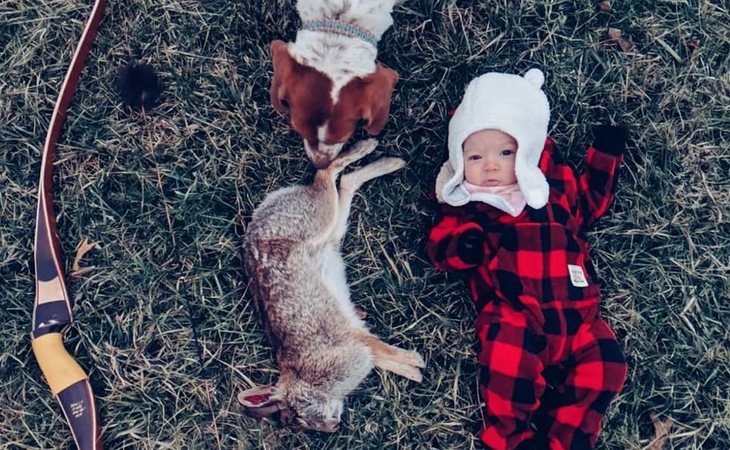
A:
(535, 77)
(445, 175)
(532, 183)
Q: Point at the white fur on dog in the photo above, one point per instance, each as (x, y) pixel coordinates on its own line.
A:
(341, 58)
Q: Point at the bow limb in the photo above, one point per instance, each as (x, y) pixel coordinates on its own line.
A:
(52, 307)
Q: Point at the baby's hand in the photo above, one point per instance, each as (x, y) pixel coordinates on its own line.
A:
(470, 246)
(610, 139)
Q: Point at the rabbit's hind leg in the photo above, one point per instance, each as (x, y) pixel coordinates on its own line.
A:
(406, 371)
(387, 357)
(401, 362)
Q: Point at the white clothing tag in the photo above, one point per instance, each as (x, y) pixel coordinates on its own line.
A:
(577, 277)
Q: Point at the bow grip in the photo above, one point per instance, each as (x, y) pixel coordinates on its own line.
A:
(58, 366)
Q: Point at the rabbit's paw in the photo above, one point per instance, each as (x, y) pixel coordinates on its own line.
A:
(384, 166)
(364, 147)
(415, 359)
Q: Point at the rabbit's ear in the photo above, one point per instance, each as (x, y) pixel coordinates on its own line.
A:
(259, 401)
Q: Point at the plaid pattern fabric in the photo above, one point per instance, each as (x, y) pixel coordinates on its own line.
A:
(584, 384)
(538, 296)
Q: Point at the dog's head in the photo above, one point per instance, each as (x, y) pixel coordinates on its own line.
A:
(326, 119)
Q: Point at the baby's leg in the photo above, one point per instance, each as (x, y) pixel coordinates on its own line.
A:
(573, 417)
(512, 359)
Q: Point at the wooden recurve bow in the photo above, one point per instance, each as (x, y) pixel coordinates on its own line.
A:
(52, 308)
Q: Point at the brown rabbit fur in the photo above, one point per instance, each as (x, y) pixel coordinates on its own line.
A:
(292, 256)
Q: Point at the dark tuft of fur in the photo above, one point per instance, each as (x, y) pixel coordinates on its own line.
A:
(138, 85)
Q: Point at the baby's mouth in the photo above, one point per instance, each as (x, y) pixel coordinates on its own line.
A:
(491, 182)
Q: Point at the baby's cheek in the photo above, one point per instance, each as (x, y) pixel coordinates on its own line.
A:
(469, 175)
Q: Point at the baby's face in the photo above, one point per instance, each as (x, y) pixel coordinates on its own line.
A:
(489, 158)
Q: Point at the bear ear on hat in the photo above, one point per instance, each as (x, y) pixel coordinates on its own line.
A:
(535, 77)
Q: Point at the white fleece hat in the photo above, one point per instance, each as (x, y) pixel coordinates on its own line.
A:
(512, 104)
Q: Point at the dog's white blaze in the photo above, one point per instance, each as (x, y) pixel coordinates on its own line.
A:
(322, 132)
(328, 149)
(331, 149)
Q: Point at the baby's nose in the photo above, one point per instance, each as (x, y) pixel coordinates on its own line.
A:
(492, 165)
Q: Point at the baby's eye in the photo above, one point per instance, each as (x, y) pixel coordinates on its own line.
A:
(507, 152)
(474, 157)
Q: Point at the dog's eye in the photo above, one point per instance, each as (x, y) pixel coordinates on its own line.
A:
(284, 103)
(362, 123)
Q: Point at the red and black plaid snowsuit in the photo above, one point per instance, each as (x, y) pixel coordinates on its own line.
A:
(537, 326)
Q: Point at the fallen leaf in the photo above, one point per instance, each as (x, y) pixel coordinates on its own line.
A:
(604, 6)
(661, 431)
(616, 36)
(83, 248)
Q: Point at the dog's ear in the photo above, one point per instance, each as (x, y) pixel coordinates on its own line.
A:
(379, 91)
(259, 401)
(282, 62)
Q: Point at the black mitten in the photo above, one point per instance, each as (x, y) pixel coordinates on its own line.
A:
(610, 139)
(470, 246)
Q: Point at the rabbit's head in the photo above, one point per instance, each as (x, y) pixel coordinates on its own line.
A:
(311, 408)
(298, 403)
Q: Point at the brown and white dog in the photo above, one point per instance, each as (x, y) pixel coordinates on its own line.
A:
(327, 80)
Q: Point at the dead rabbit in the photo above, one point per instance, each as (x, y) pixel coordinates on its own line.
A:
(292, 256)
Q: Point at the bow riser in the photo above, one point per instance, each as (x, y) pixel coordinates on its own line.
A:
(70, 384)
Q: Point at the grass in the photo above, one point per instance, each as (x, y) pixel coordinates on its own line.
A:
(163, 320)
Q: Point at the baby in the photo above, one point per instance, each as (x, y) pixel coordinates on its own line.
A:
(513, 217)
